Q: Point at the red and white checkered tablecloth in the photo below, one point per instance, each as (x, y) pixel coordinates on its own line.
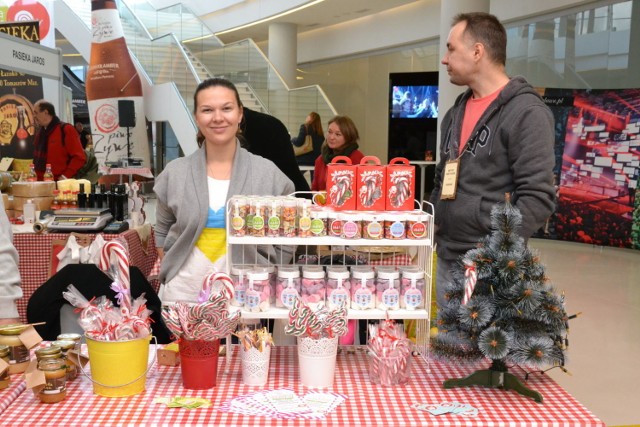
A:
(35, 256)
(11, 393)
(367, 404)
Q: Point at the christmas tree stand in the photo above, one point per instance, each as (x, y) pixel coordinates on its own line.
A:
(496, 376)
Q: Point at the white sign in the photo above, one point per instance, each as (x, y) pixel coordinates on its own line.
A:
(26, 57)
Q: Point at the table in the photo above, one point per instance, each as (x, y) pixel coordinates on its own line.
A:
(422, 164)
(11, 393)
(367, 404)
(35, 255)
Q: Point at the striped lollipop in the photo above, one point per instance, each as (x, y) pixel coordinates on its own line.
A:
(114, 259)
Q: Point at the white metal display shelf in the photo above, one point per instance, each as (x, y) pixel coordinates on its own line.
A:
(374, 313)
(324, 241)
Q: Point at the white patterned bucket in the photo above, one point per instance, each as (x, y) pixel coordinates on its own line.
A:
(255, 365)
(317, 361)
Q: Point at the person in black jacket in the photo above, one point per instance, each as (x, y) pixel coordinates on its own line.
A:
(268, 137)
(311, 126)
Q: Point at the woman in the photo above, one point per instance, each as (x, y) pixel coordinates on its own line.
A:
(342, 140)
(311, 126)
(193, 191)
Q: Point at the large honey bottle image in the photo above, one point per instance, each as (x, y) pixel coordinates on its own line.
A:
(22, 141)
(114, 90)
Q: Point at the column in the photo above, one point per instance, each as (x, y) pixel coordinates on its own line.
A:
(283, 50)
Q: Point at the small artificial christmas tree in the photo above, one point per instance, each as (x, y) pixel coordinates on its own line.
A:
(501, 307)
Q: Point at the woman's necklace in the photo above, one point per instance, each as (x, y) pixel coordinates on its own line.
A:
(221, 172)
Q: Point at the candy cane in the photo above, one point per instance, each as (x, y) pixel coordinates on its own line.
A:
(470, 279)
(115, 250)
(210, 279)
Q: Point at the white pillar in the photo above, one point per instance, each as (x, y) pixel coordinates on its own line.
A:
(283, 50)
(447, 91)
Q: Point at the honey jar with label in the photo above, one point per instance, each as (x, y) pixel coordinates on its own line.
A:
(55, 374)
(18, 353)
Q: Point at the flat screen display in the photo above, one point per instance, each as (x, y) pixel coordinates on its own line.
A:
(414, 102)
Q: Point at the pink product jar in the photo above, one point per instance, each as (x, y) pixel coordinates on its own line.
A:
(273, 277)
(363, 288)
(417, 226)
(351, 225)
(240, 283)
(394, 226)
(239, 209)
(412, 290)
(287, 286)
(258, 294)
(338, 287)
(313, 287)
(388, 290)
(372, 226)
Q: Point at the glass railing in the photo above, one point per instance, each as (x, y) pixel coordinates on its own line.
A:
(241, 62)
(161, 39)
(162, 57)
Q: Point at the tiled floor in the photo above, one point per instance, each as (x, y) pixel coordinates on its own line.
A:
(604, 354)
(604, 341)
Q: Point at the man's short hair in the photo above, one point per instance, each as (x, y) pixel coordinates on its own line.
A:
(46, 106)
(486, 29)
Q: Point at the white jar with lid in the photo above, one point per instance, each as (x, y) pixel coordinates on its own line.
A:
(363, 288)
(287, 286)
(258, 294)
(388, 290)
(338, 287)
(313, 286)
(239, 279)
(412, 290)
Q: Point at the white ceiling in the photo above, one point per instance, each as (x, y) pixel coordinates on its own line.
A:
(324, 14)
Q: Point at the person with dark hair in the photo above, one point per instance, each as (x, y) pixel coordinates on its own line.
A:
(85, 135)
(266, 136)
(10, 289)
(342, 140)
(497, 138)
(56, 143)
(312, 126)
(192, 193)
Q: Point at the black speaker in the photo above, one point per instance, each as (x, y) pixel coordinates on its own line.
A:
(126, 113)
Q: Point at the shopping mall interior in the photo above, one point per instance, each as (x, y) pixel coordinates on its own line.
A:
(291, 57)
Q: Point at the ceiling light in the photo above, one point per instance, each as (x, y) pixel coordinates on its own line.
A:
(271, 18)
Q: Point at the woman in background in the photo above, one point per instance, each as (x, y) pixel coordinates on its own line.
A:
(342, 140)
(193, 191)
(312, 126)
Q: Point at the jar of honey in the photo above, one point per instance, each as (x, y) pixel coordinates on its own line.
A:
(18, 353)
(4, 377)
(65, 346)
(55, 374)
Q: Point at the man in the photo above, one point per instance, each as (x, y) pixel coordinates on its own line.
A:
(497, 138)
(10, 289)
(85, 136)
(268, 137)
(56, 143)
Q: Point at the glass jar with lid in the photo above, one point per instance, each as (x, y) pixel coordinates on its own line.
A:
(240, 282)
(287, 286)
(388, 290)
(18, 353)
(4, 377)
(338, 287)
(363, 288)
(258, 296)
(313, 286)
(65, 346)
(55, 374)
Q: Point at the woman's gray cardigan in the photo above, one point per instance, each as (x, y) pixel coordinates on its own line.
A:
(183, 205)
